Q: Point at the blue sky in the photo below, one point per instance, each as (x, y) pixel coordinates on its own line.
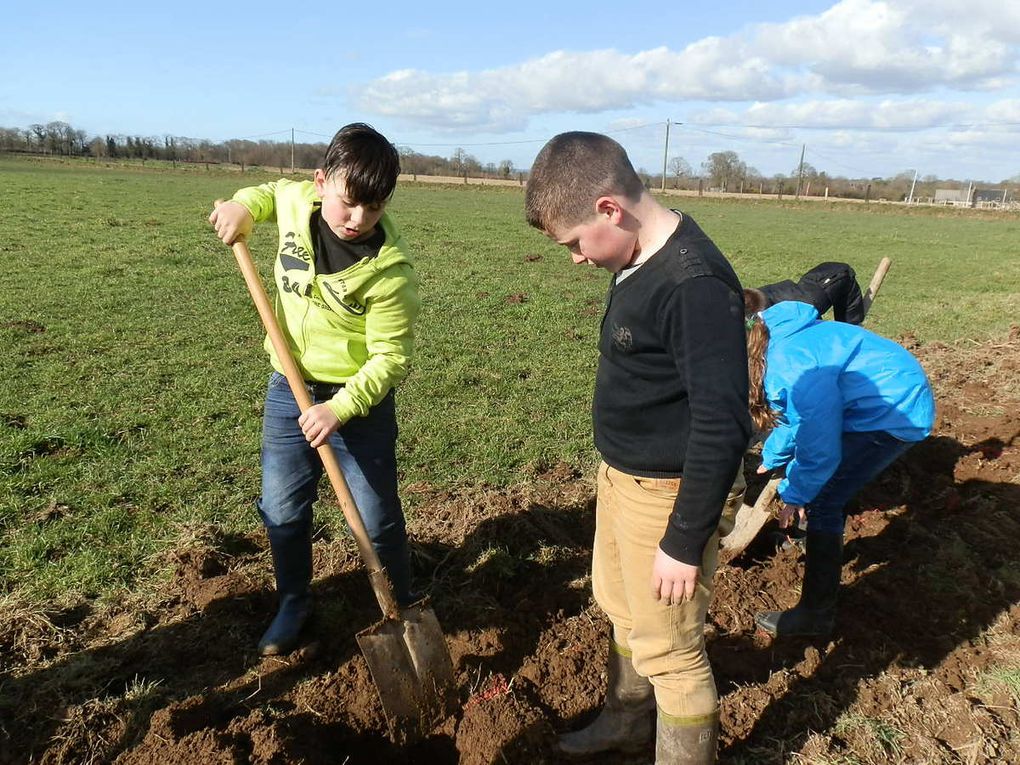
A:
(871, 87)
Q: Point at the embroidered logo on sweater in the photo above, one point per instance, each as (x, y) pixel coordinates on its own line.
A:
(622, 338)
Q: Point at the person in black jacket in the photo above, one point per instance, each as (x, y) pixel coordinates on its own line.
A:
(827, 285)
(671, 424)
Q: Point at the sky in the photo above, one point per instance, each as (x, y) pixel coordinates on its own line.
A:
(868, 88)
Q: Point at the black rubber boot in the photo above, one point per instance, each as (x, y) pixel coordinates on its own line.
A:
(625, 722)
(815, 614)
(686, 740)
(291, 545)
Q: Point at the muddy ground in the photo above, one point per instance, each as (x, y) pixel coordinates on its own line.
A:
(928, 625)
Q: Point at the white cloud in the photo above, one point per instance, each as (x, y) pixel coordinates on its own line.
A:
(889, 114)
(10, 116)
(855, 48)
(595, 81)
(1006, 111)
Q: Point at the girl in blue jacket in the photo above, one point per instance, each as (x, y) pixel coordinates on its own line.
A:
(842, 404)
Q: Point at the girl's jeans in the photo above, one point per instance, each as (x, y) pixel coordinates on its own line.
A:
(865, 456)
(366, 449)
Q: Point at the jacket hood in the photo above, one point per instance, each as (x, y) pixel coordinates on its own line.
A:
(790, 316)
(393, 252)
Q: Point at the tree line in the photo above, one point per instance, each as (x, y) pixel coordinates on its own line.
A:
(720, 171)
(61, 139)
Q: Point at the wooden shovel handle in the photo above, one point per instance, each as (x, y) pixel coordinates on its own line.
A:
(876, 283)
(376, 574)
(751, 519)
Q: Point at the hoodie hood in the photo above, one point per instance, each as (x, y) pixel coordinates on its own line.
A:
(349, 288)
(790, 316)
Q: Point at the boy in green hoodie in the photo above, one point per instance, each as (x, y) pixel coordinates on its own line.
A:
(347, 300)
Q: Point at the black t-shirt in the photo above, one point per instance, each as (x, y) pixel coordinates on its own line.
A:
(333, 254)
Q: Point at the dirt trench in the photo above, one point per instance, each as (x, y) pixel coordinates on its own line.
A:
(929, 612)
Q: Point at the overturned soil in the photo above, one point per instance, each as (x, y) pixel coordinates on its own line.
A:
(929, 618)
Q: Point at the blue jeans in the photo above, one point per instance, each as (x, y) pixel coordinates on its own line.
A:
(366, 449)
(865, 456)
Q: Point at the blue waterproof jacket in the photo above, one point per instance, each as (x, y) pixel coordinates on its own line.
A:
(825, 378)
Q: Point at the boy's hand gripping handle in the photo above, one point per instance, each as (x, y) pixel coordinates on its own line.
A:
(376, 574)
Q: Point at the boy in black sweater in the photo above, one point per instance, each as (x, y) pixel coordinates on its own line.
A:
(671, 424)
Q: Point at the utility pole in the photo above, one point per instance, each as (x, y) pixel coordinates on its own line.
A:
(800, 170)
(665, 155)
(910, 198)
(292, 151)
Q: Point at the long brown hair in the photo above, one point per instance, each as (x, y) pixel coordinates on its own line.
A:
(762, 415)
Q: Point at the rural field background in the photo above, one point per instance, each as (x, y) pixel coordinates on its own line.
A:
(130, 408)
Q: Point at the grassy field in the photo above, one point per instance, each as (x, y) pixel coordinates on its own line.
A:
(133, 373)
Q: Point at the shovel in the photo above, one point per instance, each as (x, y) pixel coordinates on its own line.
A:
(750, 520)
(406, 652)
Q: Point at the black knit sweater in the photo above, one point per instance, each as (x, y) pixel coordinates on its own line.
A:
(671, 388)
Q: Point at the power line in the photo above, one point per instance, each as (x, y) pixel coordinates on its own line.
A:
(941, 126)
(263, 135)
(468, 145)
(309, 132)
(739, 137)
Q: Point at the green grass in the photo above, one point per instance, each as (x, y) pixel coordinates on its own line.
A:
(133, 373)
(885, 737)
(1007, 678)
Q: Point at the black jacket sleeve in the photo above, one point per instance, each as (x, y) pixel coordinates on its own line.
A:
(704, 329)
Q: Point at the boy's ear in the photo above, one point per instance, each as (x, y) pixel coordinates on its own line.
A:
(610, 207)
(320, 181)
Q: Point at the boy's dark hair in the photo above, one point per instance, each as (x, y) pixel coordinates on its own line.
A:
(368, 163)
(570, 173)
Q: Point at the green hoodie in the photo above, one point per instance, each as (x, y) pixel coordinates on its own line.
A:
(354, 327)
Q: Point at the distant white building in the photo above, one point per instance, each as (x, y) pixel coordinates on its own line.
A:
(991, 198)
(972, 197)
(954, 197)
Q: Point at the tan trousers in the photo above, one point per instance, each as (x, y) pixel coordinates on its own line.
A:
(667, 642)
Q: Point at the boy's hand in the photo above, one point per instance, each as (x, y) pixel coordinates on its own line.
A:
(232, 222)
(672, 580)
(318, 423)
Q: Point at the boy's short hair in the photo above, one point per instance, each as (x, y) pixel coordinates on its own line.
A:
(570, 172)
(368, 163)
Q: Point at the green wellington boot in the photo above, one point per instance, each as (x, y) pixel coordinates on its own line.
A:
(625, 722)
(686, 740)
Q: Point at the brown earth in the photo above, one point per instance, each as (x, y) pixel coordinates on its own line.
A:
(929, 608)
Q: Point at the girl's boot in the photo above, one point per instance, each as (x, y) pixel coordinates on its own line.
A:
(815, 614)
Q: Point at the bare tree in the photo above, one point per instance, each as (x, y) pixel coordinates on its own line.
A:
(458, 160)
(724, 169)
(678, 168)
